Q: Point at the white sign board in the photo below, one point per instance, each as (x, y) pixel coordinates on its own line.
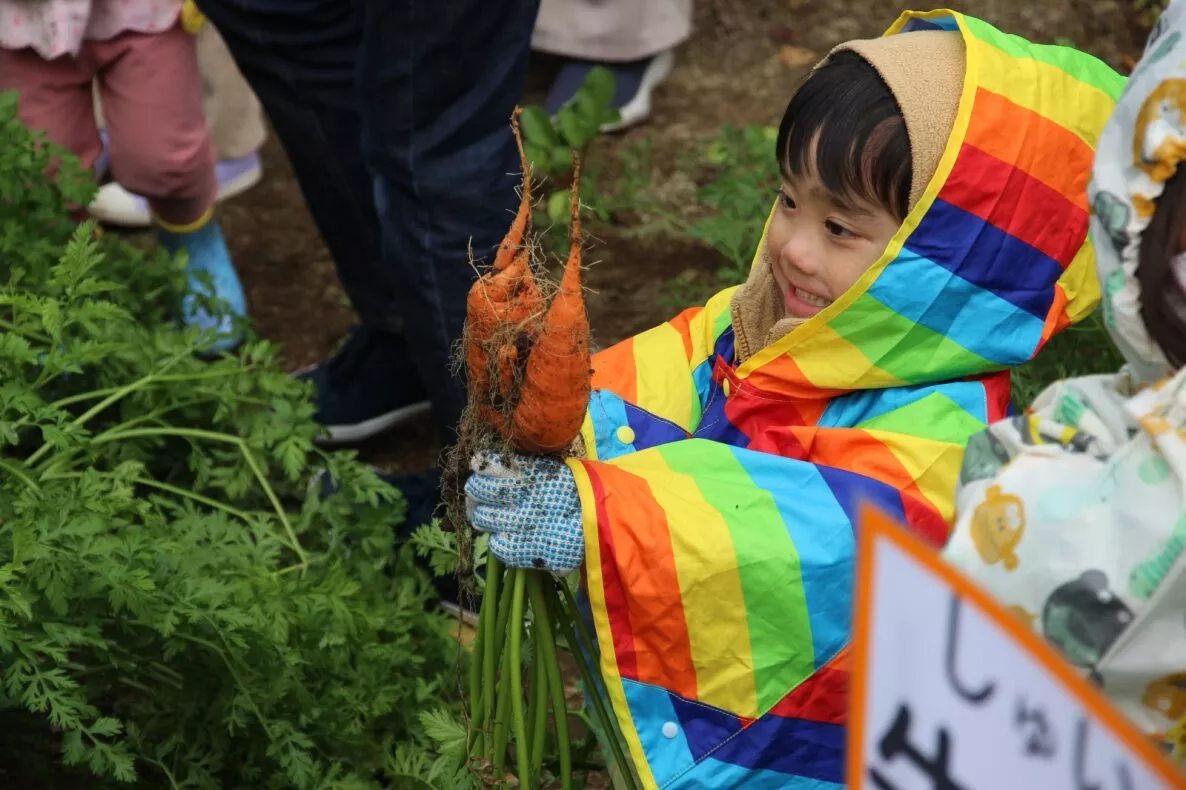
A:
(952, 692)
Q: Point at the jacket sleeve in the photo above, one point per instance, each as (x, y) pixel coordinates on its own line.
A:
(720, 581)
(651, 388)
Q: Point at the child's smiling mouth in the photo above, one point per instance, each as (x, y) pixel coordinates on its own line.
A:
(802, 303)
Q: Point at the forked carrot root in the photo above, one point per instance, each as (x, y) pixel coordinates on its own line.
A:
(506, 295)
(521, 227)
(529, 369)
(555, 391)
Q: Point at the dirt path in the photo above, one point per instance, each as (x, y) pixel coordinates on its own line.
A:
(730, 72)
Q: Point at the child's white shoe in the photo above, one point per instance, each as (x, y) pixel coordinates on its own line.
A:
(115, 205)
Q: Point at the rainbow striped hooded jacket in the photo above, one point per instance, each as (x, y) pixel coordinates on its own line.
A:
(719, 498)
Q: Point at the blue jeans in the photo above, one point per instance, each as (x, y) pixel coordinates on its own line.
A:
(395, 115)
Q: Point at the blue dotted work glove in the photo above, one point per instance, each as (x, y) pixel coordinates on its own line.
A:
(531, 509)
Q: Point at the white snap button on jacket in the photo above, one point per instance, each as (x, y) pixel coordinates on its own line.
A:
(670, 729)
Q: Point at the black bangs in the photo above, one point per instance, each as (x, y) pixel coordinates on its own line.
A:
(843, 126)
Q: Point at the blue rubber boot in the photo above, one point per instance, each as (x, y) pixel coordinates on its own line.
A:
(207, 254)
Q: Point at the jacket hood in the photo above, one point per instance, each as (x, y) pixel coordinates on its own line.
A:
(993, 258)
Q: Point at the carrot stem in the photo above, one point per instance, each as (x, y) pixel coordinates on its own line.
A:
(477, 658)
(490, 606)
(546, 608)
(499, 737)
(504, 611)
(522, 744)
(582, 645)
(538, 715)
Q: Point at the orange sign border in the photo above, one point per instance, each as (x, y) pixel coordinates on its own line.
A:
(874, 524)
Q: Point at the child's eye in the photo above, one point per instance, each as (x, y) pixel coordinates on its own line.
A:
(838, 230)
(786, 200)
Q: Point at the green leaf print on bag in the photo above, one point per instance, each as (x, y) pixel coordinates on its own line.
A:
(1069, 409)
(1147, 576)
(1153, 470)
(1112, 287)
(1082, 618)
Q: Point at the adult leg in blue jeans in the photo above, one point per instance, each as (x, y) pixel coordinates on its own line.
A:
(395, 117)
(300, 58)
(438, 82)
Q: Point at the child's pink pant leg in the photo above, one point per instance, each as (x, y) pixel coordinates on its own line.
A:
(55, 97)
(152, 99)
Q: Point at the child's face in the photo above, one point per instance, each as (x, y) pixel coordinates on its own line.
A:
(820, 244)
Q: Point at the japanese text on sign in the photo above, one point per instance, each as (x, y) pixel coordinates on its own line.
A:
(950, 693)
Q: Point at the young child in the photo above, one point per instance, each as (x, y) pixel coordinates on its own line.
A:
(234, 119)
(51, 51)
(930, 232)
(1074, 515)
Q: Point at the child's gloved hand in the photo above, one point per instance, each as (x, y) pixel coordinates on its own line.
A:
(191, 18)
(531, 509)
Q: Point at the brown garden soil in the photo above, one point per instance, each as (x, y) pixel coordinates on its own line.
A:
(729, 72)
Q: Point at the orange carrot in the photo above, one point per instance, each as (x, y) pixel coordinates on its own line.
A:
(513, 241)
(507, 293)
(554, 394)
(504, 303)
(521, 317)
(513, 284)
(480, 326)
(506, 325)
